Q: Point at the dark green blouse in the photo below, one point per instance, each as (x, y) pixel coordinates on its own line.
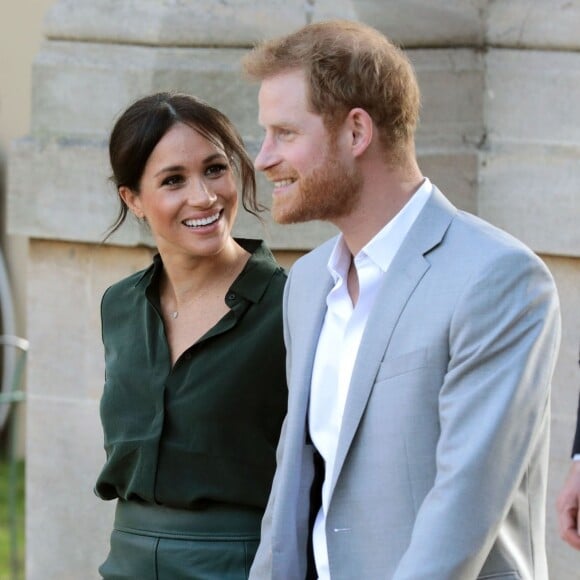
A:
(205, 430)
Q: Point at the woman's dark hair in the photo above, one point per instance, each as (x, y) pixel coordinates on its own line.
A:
(138, 130)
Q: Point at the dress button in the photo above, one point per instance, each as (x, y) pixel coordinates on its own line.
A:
(231, 296)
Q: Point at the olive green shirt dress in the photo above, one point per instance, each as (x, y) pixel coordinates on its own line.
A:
(204, 432)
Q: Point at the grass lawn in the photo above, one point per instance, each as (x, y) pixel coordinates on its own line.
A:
(5, 556)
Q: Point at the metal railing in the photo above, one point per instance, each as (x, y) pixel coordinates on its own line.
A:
(11, 395)
(7, 355)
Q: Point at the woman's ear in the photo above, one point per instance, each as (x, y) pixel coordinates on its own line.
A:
(361, 129)
(132, 200)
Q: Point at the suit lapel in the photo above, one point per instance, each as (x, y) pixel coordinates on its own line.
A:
(401, 279)
(308, 295)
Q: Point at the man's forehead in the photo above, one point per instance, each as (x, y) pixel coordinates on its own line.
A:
(282, 98)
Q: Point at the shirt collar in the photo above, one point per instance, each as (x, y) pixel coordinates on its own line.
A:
(258, 271)
(386, 242)
(250, 284)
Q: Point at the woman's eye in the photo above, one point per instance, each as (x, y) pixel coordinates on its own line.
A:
(216, 170)
(172, 180)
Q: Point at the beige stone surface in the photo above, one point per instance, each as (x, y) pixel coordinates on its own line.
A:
(533, 191)
(563, 560)
(65, 378)
(67, 526)
(513, 23)
(66, 282)
(532, 96)
(68, 197)
(530, 176)
(455, 174)
(20, 39)
(80, 88)
(432, 23)
(185, 22)
(452, 85)
(550, 24)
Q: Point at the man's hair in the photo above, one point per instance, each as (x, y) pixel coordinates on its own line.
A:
(347, 64)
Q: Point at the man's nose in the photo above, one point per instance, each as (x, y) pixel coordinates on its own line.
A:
(266, 156)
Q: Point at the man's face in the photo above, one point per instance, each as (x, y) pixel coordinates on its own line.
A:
(313, 175)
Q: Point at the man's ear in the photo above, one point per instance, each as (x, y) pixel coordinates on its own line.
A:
(361, 129)
(132, 200)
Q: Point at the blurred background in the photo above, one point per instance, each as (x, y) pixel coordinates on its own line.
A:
(499, 134)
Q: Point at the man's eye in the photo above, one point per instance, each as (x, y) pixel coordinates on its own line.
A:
(216, 170)
(285, 134)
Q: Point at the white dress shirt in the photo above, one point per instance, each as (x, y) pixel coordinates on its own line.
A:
(339, 342)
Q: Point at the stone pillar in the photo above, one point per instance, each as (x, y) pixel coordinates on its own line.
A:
(498, 135)
(530, 186)
(97, 58)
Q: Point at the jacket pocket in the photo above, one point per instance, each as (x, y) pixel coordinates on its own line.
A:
(500, 576)
(401, 364)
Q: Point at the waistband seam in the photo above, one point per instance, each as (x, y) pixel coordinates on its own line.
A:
(187, 536)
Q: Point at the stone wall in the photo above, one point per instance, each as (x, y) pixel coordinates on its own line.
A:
(500, 134)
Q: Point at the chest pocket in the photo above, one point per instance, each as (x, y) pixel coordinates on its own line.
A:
(401, 364)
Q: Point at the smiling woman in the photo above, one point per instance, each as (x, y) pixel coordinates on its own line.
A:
(188, 196)
(190, 441)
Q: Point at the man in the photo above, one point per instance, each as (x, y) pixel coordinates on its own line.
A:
(569, 499)
(420, 341)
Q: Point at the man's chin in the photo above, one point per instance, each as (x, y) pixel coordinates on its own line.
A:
(284, 216)
(285, 219)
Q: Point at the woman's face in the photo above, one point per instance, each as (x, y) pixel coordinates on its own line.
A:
(188, 194)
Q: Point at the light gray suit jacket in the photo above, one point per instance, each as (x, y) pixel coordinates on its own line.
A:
(441, 466)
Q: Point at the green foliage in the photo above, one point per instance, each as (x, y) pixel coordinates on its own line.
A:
(5, 527)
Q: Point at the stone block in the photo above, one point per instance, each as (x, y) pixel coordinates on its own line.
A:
(452, 83)
(532, 97)
(65, 285)
(455, 174)
(67, 197)
(67, 526)
(80, 88)
(533, 192)
(432, 23)
(548, 24)
(185, 22)
(513, 23)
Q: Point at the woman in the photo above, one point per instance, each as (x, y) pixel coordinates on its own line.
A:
(195, 389)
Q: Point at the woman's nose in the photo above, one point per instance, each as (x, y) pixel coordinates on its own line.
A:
(201, 195)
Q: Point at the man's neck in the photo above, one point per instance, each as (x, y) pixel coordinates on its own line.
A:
(382, 198)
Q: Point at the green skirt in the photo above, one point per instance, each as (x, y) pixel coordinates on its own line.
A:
(151, 542)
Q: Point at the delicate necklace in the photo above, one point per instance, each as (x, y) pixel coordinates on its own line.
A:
(175, 313)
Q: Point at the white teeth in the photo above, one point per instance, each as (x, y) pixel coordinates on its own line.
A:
(202, 222)
(283, 183)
